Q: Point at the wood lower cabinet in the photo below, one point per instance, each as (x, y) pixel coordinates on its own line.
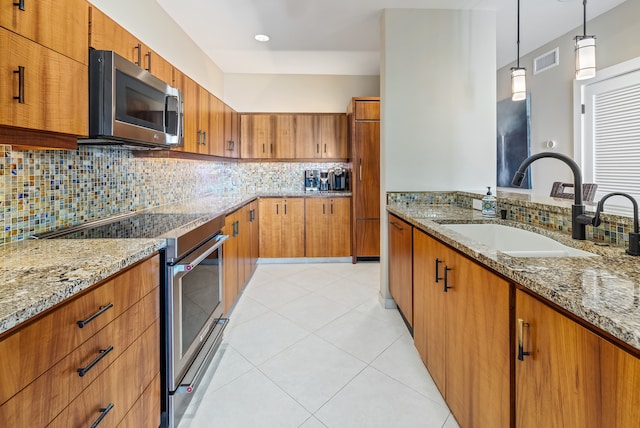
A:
(567, 375)
(41, 89)
(363, 115)
(401, 265)
(281, 227)
(327, 227)
(461, 329)
(56, 372)
(254, 226)
(230, 273)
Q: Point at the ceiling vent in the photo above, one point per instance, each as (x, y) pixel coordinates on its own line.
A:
(546, 61)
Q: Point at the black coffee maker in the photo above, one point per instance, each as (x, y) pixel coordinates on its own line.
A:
(338, 179)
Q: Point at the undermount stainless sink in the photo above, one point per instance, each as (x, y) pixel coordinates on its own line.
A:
(516, 242)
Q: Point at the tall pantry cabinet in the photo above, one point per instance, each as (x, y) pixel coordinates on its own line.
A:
(363, 117)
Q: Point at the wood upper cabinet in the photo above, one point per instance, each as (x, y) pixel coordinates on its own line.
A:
(327, 227)
(231, 133)
(256, 136)
(281, 227)
(321, 136)
(59, 26)
(401, 265)
(558, 382)
(461, 329)
(158, 66)
(284, 142)
(41, 89)
(216, 126)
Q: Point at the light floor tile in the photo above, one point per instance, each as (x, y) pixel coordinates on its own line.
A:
(245, 310)
(252, 400)
(313, 279)
(264, 336)
(451, 422)
(312, 311)
(348, 292)
(312, 371)
(362, 336)
(312, 422)
(375, 400)
(402, 362)
(275, 294)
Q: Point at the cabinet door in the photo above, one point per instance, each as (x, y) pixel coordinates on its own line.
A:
(284, 144)
(367, 110)
(332, 133)
(235, 135)
(316, 226)
(270, 213)
(620, 375)
(557, 383)
(429, 305)
(216, 126)
(339, 228)
(292, 228)
(205, 124)
(255, 234)
(367, 238)
(306, 136)
(257, 142)
(366, 169)
(192, 134)
(231, 146)
(54, 88)
(400, 265)
(106, 34)
(244, 246)
(230, 262)
(477, 343)
(59, 26)
(157, 65)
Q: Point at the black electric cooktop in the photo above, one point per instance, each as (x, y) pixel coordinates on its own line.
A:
(144, 225)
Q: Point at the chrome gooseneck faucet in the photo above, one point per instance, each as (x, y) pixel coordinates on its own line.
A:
(579, 220)
(634, 237)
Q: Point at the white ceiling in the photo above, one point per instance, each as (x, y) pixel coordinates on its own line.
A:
(343, 36)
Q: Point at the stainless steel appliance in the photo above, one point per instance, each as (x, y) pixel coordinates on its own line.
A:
(338, 179)
(324, 181)
(130, 106)
(311, 180)
(192, 298)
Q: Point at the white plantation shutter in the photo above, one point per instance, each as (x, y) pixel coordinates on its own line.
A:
(612, 130)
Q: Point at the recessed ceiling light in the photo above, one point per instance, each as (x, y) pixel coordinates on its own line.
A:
(261, 37)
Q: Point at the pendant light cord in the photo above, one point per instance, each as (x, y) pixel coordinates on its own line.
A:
(584, 19)
(518, 41)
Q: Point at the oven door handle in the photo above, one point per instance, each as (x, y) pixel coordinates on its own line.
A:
(200, 254)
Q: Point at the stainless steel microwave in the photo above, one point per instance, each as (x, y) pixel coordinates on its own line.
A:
(131, 107)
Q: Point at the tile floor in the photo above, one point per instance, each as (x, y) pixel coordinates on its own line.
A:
(309, 345)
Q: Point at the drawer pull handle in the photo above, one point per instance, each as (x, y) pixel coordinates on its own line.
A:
(103, 353)
(396, 225)
(438, 278)
(20, 4)
(103, 413)
(20, 73)
(446, 279)
(138, 48)
(102, 310)
(521, 351)
(148, 55)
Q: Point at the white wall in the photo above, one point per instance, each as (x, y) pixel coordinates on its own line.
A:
(552, 91)
(438, 99)
(438, 124)
(296, 93)
(146, 20)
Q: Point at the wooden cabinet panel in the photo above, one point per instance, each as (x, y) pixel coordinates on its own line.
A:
(244, 246)
(284, 143)
(367, 238)
(281, 227)
(558, 383)
(217, 144)
(401, 265)
(255, 234)
(34, 348)
(333, 136)
(620, 377)
(366, 169)
(192, 133)
(256, 135)
(55, 91)
(367, 109)
(59, 26)
(106, 34)
(230, 261)
(306, 136)
(146, 411)
(158, 66)
(116, 385)
(231, 141)
(49, 394)
(429, 305)
(327, 227)
(204, 123)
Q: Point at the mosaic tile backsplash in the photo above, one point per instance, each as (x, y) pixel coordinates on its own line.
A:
(43, 190)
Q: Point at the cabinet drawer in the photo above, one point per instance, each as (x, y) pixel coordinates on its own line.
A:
(367, 110)
(32, 350)
(120, 385)
(146, 412)
(43, 399)
(59, 25)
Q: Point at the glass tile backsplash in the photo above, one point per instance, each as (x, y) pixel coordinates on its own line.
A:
(42, 190)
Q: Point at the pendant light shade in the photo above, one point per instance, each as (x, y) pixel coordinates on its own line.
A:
(518, 74)
(585, 51)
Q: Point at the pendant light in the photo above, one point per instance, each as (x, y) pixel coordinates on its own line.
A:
(518, 74)
(585, 51)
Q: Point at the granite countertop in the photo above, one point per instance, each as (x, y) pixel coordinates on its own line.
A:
(37, 274)
(602, 290)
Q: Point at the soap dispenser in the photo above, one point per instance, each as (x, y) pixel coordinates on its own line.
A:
(489, 204)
